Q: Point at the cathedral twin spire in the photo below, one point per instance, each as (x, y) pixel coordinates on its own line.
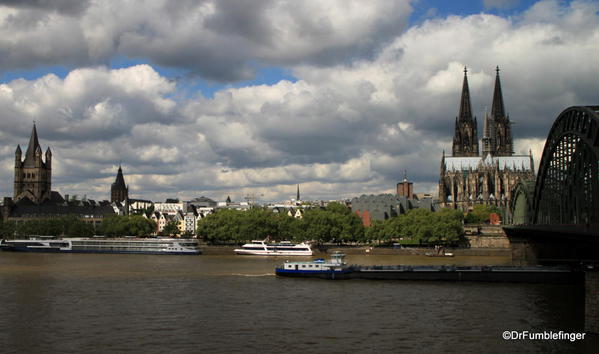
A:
(497, 136)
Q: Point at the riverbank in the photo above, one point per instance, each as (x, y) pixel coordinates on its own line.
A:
(364, 250)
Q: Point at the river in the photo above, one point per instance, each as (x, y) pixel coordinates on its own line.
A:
(75, 303)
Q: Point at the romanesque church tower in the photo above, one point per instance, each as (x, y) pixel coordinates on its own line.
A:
(465, 139)
(33, 175)
(119, 192)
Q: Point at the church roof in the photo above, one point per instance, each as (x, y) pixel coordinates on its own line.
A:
(516, 162)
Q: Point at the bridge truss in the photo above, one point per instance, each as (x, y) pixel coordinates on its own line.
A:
(567, 186)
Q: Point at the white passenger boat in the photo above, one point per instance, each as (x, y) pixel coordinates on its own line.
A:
(284, 248)
(168, 246)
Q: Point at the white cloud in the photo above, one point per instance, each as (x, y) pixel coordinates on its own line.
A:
(217, 39)
(340, 130)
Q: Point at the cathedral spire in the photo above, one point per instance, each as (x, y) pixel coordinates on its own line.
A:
(297, 197)
(465, 140)
(498, 109)
(501, 126)
(465, 106)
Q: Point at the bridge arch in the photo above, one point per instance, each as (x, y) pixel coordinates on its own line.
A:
(567, 185)
(521, 206)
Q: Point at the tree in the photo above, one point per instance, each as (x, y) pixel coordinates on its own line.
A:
(480, 213)
(127, 225)
(7, 229)
(338, 208)
(171, 228)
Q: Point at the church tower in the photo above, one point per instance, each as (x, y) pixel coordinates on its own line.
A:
(119, 192)
(465, 140)
(502, 131)
(33, 175)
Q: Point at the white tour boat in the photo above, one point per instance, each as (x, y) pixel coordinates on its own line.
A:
(284, 248)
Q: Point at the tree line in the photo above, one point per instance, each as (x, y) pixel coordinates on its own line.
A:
(72, 226)
(334, 224)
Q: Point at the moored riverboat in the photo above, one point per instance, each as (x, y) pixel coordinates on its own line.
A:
(127, 245)
(284, 248)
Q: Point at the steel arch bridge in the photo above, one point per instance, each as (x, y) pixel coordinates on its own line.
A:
(567, 187)
(563, 202)
(555, 219)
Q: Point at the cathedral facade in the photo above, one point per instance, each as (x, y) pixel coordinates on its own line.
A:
(470, 177)
(33, 175)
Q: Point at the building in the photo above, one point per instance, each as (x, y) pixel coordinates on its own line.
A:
(384, 206)
(468, 177)
(119, 192)
(170, 206)
(405, 188)
(33, 175)
(33, 197)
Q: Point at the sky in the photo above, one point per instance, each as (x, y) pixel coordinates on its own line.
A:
(242, 98)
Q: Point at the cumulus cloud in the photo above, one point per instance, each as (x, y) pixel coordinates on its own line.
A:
(500, 4)
(219, 40)
(340, 130)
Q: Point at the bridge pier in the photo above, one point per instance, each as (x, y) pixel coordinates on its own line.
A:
(591, 308)
(552, 244)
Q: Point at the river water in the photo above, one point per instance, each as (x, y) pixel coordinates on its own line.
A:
(75, 303)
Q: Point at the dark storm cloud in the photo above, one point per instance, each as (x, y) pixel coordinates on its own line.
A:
(69, 7)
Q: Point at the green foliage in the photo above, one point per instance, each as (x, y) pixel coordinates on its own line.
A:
(127, 225)
(171, 228)
(7, 229)
(338, 208)
(337, 224)
(67, 226)
(419, 226)
(480, 214)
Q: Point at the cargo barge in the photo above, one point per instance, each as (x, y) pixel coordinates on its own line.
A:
(338, 269)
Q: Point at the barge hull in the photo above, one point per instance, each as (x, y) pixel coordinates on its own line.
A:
(549, 276)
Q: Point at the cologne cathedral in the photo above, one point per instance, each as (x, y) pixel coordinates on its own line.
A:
(470, 176)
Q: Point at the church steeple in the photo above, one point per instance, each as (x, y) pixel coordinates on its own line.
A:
(498, 109)
(34, 145)
(465, 106)
(465, 140)
(119, 192)
(502, 131)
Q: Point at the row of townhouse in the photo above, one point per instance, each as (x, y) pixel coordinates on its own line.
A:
(187, 214)
(187, 220)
